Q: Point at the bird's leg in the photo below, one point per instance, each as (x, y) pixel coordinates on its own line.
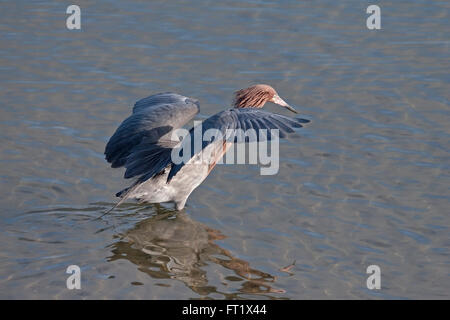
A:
(179, 205)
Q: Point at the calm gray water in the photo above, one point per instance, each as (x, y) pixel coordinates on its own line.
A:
(367, 182)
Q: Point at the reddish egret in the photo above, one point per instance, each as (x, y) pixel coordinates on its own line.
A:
(143, 143)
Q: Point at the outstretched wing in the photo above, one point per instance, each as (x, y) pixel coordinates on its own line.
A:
(152, 122)
(257, 121)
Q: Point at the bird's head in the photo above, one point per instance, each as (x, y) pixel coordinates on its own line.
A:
(256, 96)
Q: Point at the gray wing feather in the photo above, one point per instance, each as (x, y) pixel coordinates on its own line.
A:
(153, 119)
(246, 118)
(149, 159)
(157, 99)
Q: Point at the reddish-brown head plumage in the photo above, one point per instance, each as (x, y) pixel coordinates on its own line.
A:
(254, 96)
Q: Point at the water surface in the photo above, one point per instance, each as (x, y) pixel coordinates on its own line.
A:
(366, 182)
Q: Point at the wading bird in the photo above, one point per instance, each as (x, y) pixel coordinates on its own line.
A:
(144, 142)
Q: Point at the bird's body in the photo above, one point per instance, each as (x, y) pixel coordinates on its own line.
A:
(145, 141)
(157, 190)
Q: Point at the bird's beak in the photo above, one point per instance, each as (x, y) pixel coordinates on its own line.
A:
(276, 99)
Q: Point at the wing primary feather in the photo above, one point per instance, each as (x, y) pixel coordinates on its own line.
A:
(153, 118)
(124, 197)
(245, 118)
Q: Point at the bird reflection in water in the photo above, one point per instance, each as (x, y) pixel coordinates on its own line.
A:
(171, 245)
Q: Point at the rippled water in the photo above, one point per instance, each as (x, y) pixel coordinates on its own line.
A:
(366, 182)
